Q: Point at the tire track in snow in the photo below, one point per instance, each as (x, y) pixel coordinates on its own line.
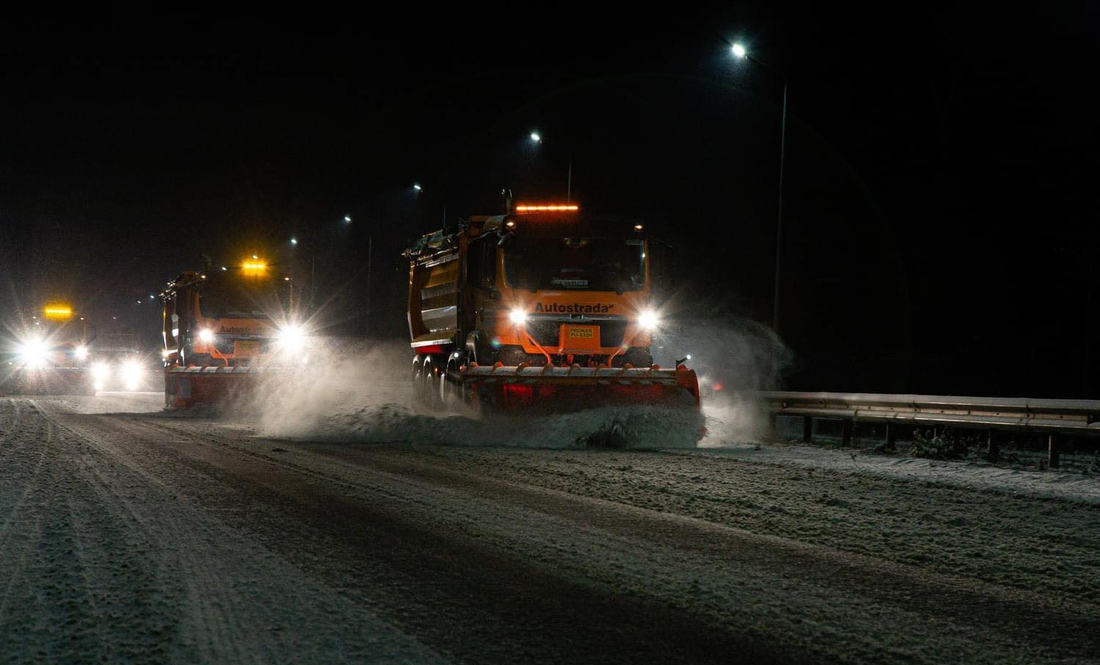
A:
(22, 520)
(80, 583)
(234, 601)
(214, 631)
(591, 535)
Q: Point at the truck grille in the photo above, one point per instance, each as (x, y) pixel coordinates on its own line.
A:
(224, 345)
(547, 332)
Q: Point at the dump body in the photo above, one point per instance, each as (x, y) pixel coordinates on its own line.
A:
(223, 328)
(547, 289)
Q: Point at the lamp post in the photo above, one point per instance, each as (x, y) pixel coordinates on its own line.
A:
(314, 240)
(741, 53)
(536, 138)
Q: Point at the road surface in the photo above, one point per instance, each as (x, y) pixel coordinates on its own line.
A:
(128, 534)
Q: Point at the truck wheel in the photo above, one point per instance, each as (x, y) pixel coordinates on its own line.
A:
(450, 392)
(418, 380)
(429, 386)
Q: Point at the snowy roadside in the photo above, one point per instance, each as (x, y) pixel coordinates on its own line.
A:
(1063, 484)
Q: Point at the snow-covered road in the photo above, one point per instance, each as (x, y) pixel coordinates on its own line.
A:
(131, 535)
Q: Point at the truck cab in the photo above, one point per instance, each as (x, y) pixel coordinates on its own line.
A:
(542, 285)
(230, 317)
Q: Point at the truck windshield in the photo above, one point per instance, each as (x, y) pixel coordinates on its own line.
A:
(242, 298)
(586, 264)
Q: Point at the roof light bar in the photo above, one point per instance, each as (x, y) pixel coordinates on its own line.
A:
(547, 208)
(57, 312)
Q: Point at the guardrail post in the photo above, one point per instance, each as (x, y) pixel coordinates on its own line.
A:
(846, 432)
(993, 446)
(891, 436)
(807, 429)
(1053, 443)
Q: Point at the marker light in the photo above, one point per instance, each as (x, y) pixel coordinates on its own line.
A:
(510, 224)
(518, 316)
(81, 352)
(548, 208)
(648, 320)
(206, 335)
(253, 267)
(638, 227)
(291, 338)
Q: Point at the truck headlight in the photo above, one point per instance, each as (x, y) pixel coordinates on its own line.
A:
(32, 353)
(81, 352)
(206, 335)
(517, 316)
(291, 338)
(131, 374)
(648, 320)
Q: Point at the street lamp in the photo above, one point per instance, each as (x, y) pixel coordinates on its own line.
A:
(537, 139)
(741, 53)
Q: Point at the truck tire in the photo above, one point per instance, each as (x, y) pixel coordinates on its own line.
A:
(427, 384)
(417, 380)
(450, 392)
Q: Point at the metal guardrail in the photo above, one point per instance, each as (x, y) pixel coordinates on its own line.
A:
(1055, 418)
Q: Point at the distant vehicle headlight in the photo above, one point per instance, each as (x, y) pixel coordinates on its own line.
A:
(32, 353)
(131, 374)
(649, 320)
(206, 335)
(291, 338)
(518, 316)
(81, 352)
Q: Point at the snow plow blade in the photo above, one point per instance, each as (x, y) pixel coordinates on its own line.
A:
(185, 387)
(559, 388)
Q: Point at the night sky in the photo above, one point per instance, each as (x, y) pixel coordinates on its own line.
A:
(939, 205)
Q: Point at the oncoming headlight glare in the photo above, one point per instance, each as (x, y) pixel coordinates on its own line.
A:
(648, 319)
(291, 337)
(81, 352)
(32, 352)
(517, 316)
(206, 335)
(131, 374)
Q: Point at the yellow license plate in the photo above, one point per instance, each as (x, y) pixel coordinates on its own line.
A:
(246, 348)
(581, 333)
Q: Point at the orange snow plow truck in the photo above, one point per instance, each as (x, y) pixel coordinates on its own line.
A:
(224, 329)
(51, 355)
(541, 309)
